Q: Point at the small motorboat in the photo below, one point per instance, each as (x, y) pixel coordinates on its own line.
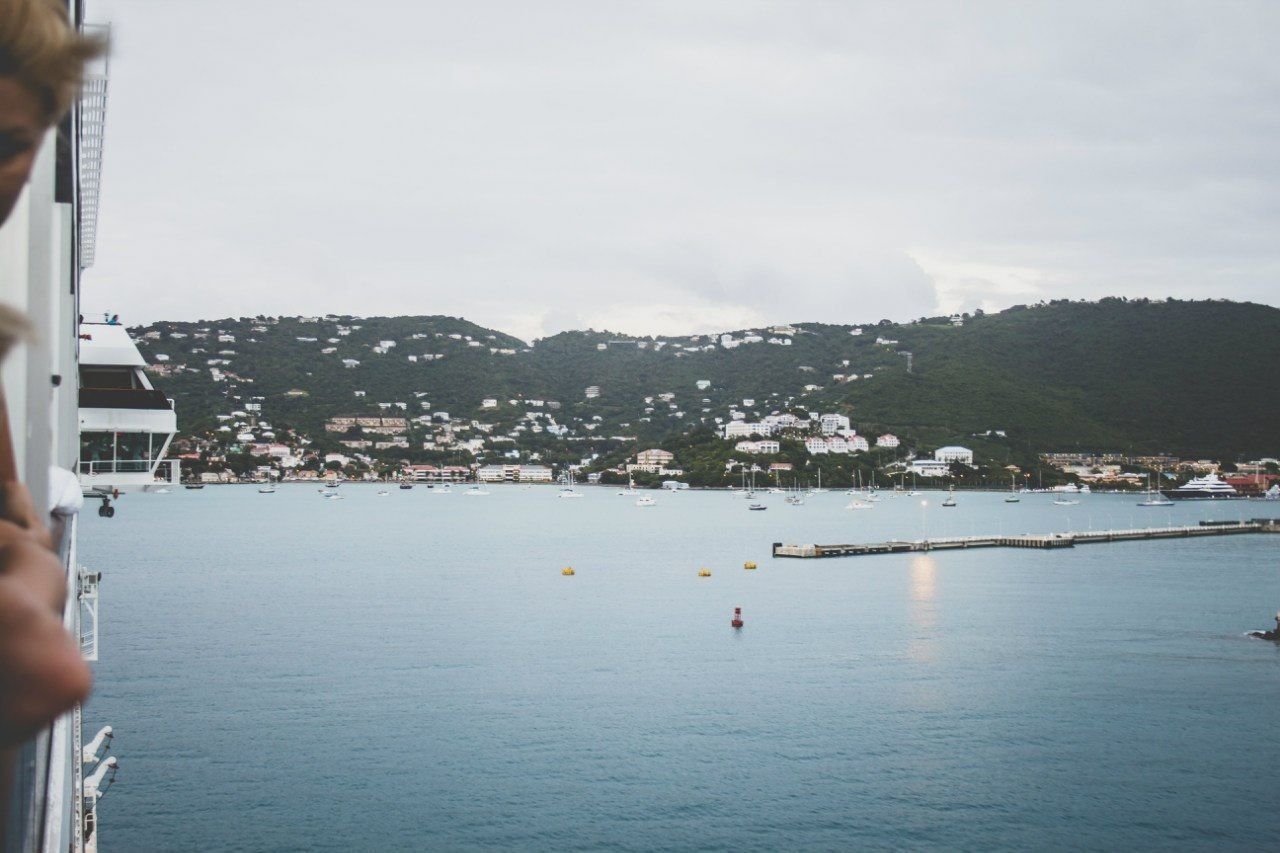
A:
(408, 486)
(646, 501)
(1065, 502)
(194, 486)
(382, 493)
(266, 490)
(757, 507)
(857, 504)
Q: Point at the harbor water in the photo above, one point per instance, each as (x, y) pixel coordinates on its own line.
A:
(412, 671)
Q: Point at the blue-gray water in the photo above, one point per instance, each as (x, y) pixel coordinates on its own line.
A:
(412, 672)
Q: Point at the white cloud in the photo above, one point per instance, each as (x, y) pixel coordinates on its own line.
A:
(690, 165)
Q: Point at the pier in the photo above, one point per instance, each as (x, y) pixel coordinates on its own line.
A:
(1038, 540)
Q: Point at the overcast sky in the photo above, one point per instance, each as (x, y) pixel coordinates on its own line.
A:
(672, 167)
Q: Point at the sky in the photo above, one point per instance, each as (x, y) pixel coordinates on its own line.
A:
(682, 167)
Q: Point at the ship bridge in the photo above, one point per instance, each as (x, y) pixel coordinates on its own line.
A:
(126, 424)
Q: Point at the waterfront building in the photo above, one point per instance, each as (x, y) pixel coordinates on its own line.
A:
(930, 468)
(652, 461)
(953, 453)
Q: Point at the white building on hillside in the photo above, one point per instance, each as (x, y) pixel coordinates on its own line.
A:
(764, 446)
(930, 468)
(832, 423)
(742, 429)
(887, 440)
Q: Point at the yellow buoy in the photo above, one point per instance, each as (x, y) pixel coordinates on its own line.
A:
(568, 571)
(704, 573)
(748, 565)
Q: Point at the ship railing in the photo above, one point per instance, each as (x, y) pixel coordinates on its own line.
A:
(164, 470)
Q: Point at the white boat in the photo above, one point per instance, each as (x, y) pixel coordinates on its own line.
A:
(1154, 498)
(646, 501)
(1272, 494)
(382, 493)
(267, 489)
(1207, 488)
(859, 504)
(475, 491)
(569, 491)
(1065, 502)
(1012, 497)
(951, 496)
(757, 507)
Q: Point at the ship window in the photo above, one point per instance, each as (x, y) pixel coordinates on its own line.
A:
(133, 451)
(109, 377)
(97, 447)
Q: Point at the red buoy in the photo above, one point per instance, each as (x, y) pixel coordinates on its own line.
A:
(737, 617)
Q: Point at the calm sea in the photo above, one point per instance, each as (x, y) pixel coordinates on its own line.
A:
(412, 672)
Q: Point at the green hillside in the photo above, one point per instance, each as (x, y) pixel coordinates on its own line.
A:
(1189, 378)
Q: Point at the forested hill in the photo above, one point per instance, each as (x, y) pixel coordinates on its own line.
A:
(1191, 378)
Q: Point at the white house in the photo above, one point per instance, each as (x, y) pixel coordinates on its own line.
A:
(887, 440)
(832, 423)
(817, 445)
(952, 453)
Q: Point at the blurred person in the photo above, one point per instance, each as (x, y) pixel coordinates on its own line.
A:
(42, 673)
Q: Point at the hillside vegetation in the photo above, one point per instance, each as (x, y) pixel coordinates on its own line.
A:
(1189, 378)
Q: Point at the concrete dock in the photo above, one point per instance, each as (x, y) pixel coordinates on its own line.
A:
(1040, 540)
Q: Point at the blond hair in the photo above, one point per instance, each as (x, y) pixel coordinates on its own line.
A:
(40, 49)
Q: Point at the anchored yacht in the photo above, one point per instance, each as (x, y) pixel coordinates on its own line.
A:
(125, 423)
(1207, 488)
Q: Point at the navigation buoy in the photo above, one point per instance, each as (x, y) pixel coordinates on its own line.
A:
(568, 571)
(737, 617)
(748, 565)
(704, 573)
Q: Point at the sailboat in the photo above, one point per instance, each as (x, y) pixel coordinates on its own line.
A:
(751, 492)
(914, 491)
(631, 487)
(951, 496)
(818, 489)
(1012, 497)
(569, 491)
(1154, 498)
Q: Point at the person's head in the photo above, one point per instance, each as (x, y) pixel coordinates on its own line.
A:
(41, 61)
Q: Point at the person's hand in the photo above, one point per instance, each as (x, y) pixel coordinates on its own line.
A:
(42, 673)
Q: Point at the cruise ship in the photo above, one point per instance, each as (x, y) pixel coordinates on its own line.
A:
(1207, 488)
(56, 778)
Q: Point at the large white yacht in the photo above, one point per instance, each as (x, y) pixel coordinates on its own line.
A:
(125, 423)
(1207, 488)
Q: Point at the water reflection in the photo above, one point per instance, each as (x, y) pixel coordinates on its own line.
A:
(924, 611)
